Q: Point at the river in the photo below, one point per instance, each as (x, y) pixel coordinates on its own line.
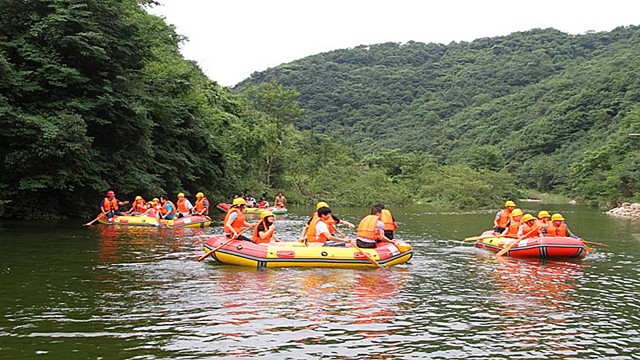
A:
(73, 292)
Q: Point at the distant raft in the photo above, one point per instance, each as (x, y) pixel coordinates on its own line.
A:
(295, 254)
(187, 221)
(276, 210)
(539, 247)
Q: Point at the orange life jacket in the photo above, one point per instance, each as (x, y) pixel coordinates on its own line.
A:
(367, 228)
(556, 231)
(236, 224)
(311, 232)
(331, 225)
(387, 219)
(256, 234)
(513, 227)
(181, 204)
(530, 231)
(109, 205)
(200, 205)
(505, 216)
(139, 206)
(164, 211)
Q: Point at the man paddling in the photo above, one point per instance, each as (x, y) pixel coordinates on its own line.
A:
(557, 227)
(371, 230)
(317, 232)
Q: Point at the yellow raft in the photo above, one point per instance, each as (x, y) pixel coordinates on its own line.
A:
(187, 221)
(246, 253)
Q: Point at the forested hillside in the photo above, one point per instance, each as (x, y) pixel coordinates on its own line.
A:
(551, 108)
(94, 95)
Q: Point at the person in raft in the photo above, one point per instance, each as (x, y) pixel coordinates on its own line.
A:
(265, 231)
(502, 217)
(139, 206)
(110, 205)
(263, 203)
(558, 227)
(371, 230)
(184, 206)
(529, 227)
(168, 209)
(280, 201)
(235, 220)
(543, 220)
(317, 232)
(513, 225)
(331, 222)
(251, 201)
(390, 224)
(202, 205)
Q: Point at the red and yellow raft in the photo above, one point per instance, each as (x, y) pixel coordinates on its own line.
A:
(246, 253)
(276, 210)
(539, 247)
(187, 221)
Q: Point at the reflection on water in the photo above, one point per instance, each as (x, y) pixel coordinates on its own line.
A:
(137, 293)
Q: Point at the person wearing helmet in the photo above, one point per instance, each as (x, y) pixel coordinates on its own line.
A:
(264, 232)
(110, 205)
(139, 206)
(235, 220)
(529, 227)
(390, 224)
(184, 205)
(543, 220)
(154, 207)
(202, 205)
(513, 225)
(168, 210)
(557, 227)
(331, 222)
(502, 217)
(317, 232)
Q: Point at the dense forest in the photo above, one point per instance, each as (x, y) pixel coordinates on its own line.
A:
(95, 95)
(552, 109)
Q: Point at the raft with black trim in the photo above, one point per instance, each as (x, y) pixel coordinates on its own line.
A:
(187, 221)
(276, 210)
(246, 253)
(551, 247)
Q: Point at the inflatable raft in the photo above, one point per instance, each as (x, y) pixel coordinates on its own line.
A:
(187, 221)
(539, 247)
(276, 210)
(246, 253)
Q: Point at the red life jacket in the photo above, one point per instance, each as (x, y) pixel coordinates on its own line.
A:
(181, 203)
(367, 228)
(109, 205)
(201, 205)
(256, 234)
(513, 227)
(505, 216)
(139, 206)
(311, 232)
(556, 231)
(236, 224)
(387, 219)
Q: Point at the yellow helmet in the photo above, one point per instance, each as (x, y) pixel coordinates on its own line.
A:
(509, 203)
(180, 194)
(555, 217)
(321, 204)
(239, 201)
(516, 212)
(138, 197)
(265, 214)
(156, 199)
(527, 217)
(543, 214)
(199, 194)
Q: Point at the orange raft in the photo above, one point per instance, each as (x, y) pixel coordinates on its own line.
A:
(246, 253)
(539, 247)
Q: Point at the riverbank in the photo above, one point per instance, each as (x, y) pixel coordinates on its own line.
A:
(626, 210)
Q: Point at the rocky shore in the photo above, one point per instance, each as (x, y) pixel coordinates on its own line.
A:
(626, 210)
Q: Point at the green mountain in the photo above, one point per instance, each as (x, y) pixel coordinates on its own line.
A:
(551, 108)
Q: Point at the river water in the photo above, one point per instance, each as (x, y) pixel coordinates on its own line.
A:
(72, 292)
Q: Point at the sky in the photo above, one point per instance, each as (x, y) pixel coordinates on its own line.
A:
(231, 39)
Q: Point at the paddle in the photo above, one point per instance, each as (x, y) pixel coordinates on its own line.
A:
(482, 237)
(585, 246)
(594, 243)
(508, 247)
(223, 245)
(357, 248)
(94, 220)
